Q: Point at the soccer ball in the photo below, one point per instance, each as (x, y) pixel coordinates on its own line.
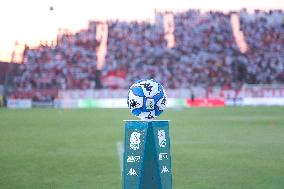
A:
(147, 99)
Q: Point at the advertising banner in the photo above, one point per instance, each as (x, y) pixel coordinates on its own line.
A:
(107, 103)
(19, 103)
(263, 101)
(234, 102)
(103, 103)
(65, 103)
(204, 102)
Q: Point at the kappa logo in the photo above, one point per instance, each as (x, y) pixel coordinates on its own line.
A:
(162, 138)
(164, 101)
(133, 104)
(135, 140)
(132, 172)
(165, 170)
(163, 156)
(148, 87)
(133, 159)
(149, 116)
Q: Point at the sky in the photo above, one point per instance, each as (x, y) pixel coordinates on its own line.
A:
(29, 21)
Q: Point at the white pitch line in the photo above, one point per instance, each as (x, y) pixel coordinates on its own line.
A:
(120, 152)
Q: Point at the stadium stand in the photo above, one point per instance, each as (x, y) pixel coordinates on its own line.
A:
(264, 33)
(205, 54)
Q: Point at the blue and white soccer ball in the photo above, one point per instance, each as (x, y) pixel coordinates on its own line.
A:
(147, 99)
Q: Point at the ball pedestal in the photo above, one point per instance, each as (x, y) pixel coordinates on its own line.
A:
(147, 159)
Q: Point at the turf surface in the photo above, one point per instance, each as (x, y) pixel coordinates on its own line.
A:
(223, 148)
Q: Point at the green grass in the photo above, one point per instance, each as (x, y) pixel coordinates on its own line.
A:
(223, 148)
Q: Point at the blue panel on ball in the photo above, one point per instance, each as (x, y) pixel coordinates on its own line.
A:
(158, 96)
(137, 91)
(137, 111)
(157, 111)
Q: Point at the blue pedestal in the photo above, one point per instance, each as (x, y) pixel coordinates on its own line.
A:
(147, 159)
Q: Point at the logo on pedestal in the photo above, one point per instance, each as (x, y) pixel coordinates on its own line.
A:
(132, 172)
(162, 138)
(133, 159)
(165, 170)
(135, 140)
(163, 156)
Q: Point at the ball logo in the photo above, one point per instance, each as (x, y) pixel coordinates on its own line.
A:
(135, 140)
(164, 101)
(150, 104)
(149, 116)
(133, 104)
(148, 87)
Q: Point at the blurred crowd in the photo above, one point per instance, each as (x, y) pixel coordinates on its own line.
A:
(71, 64)
(205, 53)
(264, 32)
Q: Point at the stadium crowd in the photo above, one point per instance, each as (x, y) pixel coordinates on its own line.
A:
(264, 33)
(205, 53)
(68, 65)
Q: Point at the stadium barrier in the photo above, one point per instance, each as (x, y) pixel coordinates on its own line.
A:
(42, 104)
(255, 102)
(248, 95)
(234, 102)
(262, 101)
(107, 103)
(19, 103)
(205, 102)
(121, 103)
(122, 93)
